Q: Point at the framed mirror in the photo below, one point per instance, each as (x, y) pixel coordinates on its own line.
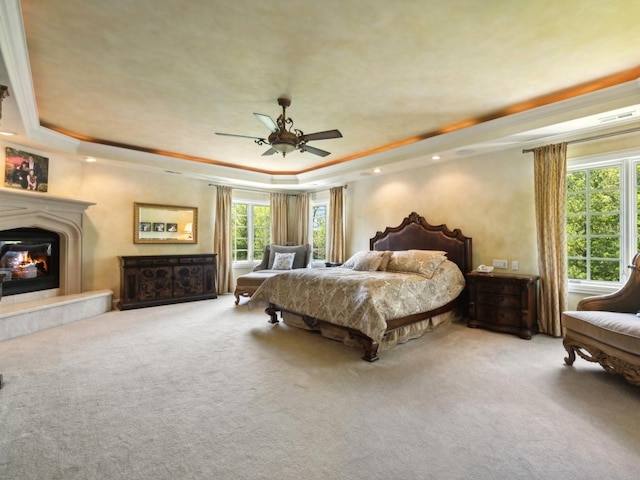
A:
(154, 223)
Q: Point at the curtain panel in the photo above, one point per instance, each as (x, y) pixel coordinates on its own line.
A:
(279, 218)
(302, 216)
(222, 239)
(550, 174)
(336, 225)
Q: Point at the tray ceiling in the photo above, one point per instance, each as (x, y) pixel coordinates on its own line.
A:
(151, 81)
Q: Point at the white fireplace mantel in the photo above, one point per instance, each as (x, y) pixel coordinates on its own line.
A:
(19, 209)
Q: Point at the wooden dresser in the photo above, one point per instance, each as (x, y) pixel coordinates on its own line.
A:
(151, 280)
(504, 302)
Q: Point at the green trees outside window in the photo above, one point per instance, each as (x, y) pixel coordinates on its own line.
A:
(595, 217)
(251, 231)
(320, 232)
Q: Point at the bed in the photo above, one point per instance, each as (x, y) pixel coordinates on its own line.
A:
(420, 287)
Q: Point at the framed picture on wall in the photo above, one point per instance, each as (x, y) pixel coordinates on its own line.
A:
(145, 226)
(26, 171)
(158, 227)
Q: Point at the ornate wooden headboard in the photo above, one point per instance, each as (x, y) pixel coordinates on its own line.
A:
(415, 233)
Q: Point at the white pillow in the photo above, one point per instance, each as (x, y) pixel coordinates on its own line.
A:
(283, 261)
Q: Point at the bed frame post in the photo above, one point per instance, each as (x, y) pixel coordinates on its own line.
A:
(272, 310)
(370, 349)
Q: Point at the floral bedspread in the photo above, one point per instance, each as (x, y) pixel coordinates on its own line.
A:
(361, 300)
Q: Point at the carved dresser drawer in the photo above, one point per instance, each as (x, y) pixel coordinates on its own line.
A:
(151, 280)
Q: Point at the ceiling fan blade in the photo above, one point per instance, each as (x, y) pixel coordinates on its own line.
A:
(322, 135)
(242, 136)
(271, 151)
(315, 151)
(268, 121)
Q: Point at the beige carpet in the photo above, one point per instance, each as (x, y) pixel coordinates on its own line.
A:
(207, 390)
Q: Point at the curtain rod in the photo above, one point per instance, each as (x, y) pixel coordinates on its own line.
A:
(595, 137)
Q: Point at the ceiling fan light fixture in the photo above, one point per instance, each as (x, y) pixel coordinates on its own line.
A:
(283, 147)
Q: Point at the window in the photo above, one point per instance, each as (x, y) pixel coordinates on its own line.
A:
(603, 201)
(319, 225)
(251, 231)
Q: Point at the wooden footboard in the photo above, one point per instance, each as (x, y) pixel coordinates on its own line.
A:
(369, 345)
(611, 364)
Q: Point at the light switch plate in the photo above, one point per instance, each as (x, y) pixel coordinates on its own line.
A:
(501, 264)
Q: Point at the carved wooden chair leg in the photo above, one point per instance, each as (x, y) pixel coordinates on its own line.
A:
(570, 350)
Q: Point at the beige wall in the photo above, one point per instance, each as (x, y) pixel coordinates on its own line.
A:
(489, 198)
(108, 225)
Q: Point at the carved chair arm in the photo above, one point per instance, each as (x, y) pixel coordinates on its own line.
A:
(626, 300)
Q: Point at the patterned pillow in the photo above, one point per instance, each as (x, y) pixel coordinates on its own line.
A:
(283, 261)
(369, 254)
(366, 263)
(386, 258)
(422, 262)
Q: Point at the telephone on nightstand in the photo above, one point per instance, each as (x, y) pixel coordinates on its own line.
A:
(484, 269)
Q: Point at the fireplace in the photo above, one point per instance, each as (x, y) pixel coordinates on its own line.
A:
(50, 229)
(30, 260)
(62, 217)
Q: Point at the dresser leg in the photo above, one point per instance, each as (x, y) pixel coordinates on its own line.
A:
(525, 334)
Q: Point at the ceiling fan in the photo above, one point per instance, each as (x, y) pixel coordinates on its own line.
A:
(282, 139)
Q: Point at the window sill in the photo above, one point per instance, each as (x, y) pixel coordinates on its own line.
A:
(593, 288)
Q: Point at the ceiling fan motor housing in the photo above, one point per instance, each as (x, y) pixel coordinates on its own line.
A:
(284, 141)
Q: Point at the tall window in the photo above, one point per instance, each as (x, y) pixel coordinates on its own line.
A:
(251, 230)
(319, 222)
(603, 201)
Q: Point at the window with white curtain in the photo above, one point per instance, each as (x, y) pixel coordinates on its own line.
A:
(603, 205)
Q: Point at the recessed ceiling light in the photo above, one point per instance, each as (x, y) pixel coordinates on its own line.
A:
(376, 170)
(90, 159)
(7, 134)
(464, 151)
(435, 157)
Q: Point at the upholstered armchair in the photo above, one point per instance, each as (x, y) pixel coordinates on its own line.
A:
(248, 283)
(606, 329)
(301, 259)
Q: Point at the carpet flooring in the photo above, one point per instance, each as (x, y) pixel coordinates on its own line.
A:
(208, 390)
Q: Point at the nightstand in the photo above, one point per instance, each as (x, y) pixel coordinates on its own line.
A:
(504, 302)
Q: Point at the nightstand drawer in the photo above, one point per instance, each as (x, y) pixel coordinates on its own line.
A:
(499, 288)
(499, 300)
(499, 316)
